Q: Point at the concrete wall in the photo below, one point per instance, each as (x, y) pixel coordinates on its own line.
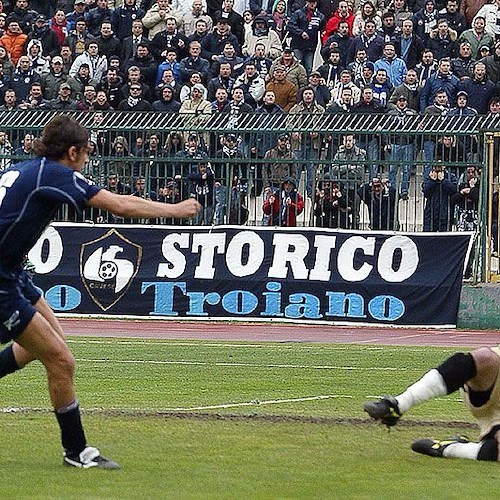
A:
(480, 307)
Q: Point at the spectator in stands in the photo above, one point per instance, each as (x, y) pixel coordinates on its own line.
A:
(101, 102)
(167, 102)
(330, 70)
(234, 20)
(380, 200)
(285, 165)
(279, 18)
(439, 186)
(425, 20)
(443, 41)
(442, 79)
(214, 43)
(351, 175)
(170, 62)
(186, 89)
(7, 65)
(41, 31)
(109, 44)
(201, 187)
(168, 79)
(221, 99)
(200, 32)
(80, 8)
(24, 16)
(304, 26)
(461, 66)
(342, 103)
(123, 17)
(356, 67)
(35, 99)
(321, 91)
(88, 98)
(97, 15)
(10, 101)
(394, 66)
(330, 204)
(141, 190)
(342, 14)
(456, 20)
(134, 76)
(145, 62)
(370, 40)
(285, 91)
(264, 142)
(294, 70)
(26, 147)
(401, 149)
(449, 149)
(262, 34)
(193, 63)
(78, 38)
(224, 80)
(401, 13)
(369, 142)
(479, 89)
(284, 206)
(23, 78)
(96, 62)
(135, 101)
(228, 55)
(427, 67)
(366, 12)
(5, 150)
(389, 31)
(170, 37)
(59, 25)
(252, 84)
(477, 37)
(156, 16)
(111, 84)
(382, 87)
(307, 145)
(409, 45)
(14, 40)
(410, 89)
(4, 83)
(132, 41)
(38, 62)
(67, 57)
(339, 41)
(63, 101)
(197, 13)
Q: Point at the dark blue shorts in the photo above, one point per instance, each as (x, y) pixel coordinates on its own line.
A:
(16, 306)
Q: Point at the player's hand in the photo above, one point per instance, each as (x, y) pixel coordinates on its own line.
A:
(187, 209)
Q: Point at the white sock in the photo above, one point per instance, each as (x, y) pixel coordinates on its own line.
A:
(462, 450)
(429, 386)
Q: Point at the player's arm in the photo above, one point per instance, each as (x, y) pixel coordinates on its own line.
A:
(135, 207)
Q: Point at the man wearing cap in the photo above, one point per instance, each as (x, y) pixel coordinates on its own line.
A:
(462, 65)
(63, 101)
(41, 31)
(479, 89)
(285, 91)
(80, 8)
(54, 78)
(321, 91)
(477, 37)
(305, 26)
(294, 70)
(284, 206)
(492, 63)
(213, 44)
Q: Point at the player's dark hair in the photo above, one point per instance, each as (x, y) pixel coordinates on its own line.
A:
(58, 136)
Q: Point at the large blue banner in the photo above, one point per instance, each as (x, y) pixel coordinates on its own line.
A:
(252, 273)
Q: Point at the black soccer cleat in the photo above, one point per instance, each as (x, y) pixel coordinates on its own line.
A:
(435, 447)
(88, 458)
(386, 410)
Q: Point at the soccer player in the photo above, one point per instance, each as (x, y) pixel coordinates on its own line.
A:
(30, 194)
(478, 374)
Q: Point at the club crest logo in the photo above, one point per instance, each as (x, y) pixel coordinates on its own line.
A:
(108, 265)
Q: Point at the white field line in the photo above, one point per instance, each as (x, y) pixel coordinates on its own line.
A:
(238, 365)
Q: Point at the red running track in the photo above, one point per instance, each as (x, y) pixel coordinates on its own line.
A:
(227, 331)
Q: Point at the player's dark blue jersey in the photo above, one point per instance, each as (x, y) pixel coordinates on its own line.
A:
(30, 194)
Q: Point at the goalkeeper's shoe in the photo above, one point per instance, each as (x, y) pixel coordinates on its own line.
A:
(88, 458)
(386, 410)
(435, 447)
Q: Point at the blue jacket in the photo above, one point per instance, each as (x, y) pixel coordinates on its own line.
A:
(396, 69)
(449, 83)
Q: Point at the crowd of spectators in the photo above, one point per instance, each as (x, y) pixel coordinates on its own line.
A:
(293, 57)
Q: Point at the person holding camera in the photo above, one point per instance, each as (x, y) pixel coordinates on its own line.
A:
(439, 186)
(380, 199)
